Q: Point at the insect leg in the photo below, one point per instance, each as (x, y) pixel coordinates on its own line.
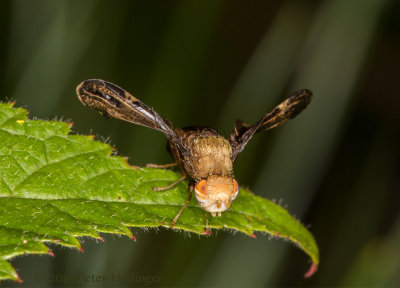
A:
(161, 165)
(207, 231)
(183, 207)
(171, 185)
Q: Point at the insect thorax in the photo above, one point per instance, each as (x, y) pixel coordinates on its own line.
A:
(209, 155)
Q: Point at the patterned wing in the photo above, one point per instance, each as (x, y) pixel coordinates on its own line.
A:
(113, 101)
(288, 109)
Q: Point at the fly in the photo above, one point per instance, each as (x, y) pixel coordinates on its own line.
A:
(202, 154)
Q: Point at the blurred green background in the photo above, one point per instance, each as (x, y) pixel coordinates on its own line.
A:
(336, 167)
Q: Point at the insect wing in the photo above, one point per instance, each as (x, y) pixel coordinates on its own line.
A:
(113, 101)
(288, 109)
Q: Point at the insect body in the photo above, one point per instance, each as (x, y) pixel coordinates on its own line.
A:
(201, 153)
(208, 160)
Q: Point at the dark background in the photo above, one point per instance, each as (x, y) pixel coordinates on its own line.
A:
(336, 167)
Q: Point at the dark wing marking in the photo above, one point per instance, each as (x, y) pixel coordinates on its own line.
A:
(288, 109)
(113, 101)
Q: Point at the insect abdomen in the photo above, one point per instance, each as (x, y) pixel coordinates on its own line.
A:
(211, 155)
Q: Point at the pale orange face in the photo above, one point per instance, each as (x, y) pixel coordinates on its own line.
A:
(215, 193)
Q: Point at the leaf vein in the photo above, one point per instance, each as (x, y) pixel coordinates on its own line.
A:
(49, 163)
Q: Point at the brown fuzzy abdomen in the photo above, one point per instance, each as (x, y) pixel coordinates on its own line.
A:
(210, 155)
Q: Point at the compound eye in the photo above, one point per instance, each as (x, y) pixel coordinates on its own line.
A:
(235, 190)
(200, 191)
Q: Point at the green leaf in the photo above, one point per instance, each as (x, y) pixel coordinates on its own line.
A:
(55, 187)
